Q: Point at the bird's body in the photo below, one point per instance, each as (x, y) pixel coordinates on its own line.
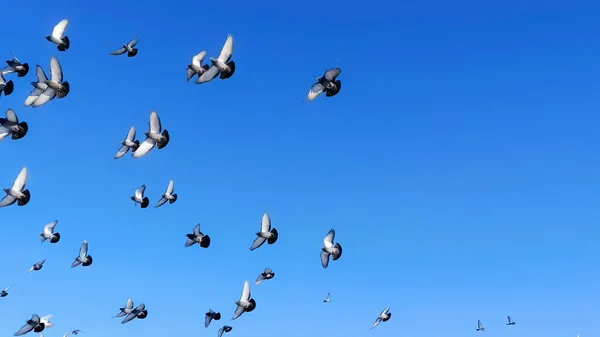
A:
(129, 143)
(17, 193)
(328, 83)
(128, 48)
(83, 258)
(197, 237)
(58, 36)
(246, 303)
(155, 137)
(139, 197)
(265, 275)
(196, 67)
(383, 317)
(168, 196)
(15, 66)
(11, 126)
(330, 249)
(48, 233)
(37, 266)
(209, 316)
(266, 234)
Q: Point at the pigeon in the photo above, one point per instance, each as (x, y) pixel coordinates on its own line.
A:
(510, 321)
(126, 310)
(17, 192)
(328, 298)
(48, 233)
(225, 328)
(335, 250)
(55, 86)
(168, 196)
(383, 317)
(265, 234)
(139, 312)
(327, 83)
(129, 143)
(198, 237)
(11, 126)
(210, 315)
(221, 65)
(15, 66)
(480, 326)
(36, 324)
(154, 137)
(6, 87)
(76, 332)
(83, 257)
(246, 303)
(196, 68)
(58, 36)
(265, 275)
(37, 266)
(139, 197)
(38, 87)
(127, 48)
(4, 293)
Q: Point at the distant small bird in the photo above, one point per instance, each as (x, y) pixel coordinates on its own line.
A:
(335, 250)
(383, 317)
(265, 275)
(48, 233)
(510, 321)
(196, 68)
(154, 137)
(38, 87)
(76, 332)
(480, 326)
(15, 66)
(56, 87)
(37, 266)
(225, 328)
(36, 324)
(168, 196)
(129, 143)
(58, 36)
(4, 293)
(17, 193)
(221, 65)
(246, 302)
(139, 197)
(11, 126)
(210, 315)
(83, 257)
(328, 298)
(197, 237)
(6, 88)
(327, 84)
(127, 48)
(131, 313)
(265, 234)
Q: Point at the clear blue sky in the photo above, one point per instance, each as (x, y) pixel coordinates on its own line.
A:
(458, 165)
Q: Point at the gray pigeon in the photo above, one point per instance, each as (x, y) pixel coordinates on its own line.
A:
(11, 126)
(155, 137)
(197, 237)
(265, 234)
(225, 328)
(246, 303)
(17, 193)
(58, 36)
(37, 266)
(4, 293)
(35, 324)
(383, 317)
(327, 84)
(129, 143)
(328, 298)
(196, 68)
(131, 313)
(510, 321)
(221, 65)
(83, 258)
(38, 87)
(127, 48)
(168, 196)
(48, 233)
(55, 86)
(139, 198)
(335, 250)
(480, 326)
(15, 66)
(76, 332)
(265, 275)
(210, 315)
(6, 88)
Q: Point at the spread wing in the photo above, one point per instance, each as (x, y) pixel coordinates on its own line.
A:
(197, 230)
(324, 259)
(198, 58)
(83, 251)
(21, 180)
(227, 50)
(161, 202)
(24, 329)
(49, 228)
(328, 240)
(238, 312)
(139, 193)
(129, 304)
(129, 317)
(60, 28)
(385, 311)
(220, 332)
(45, 97)
(332, 74)
(376, 323)
(119, 51)
(132, 43)
(56, 73)
(122, 151)
(155, 122)
(208, 75)
(41, 75)
(257, 243)
(265, 225)
(207, 320)
(7, 201)
(259, 279)
(11, 116)
(316, 90)
(171, 187)
(145, 147)
(246, 292)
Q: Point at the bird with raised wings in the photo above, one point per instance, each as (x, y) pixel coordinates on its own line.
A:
(222, 65)
(58, 36)
(328, 83)
(210, 315)
(35, 324)
(266, 233)
(267, 274)
(37, 266)
(328, 298)
(139, 312)
(15, 66)
(510, 321)
(155, 137)
(17, 193)
(224, 328)
(197, 237)
(139, 198)
(4, 292)
(56, 87)
(246, 303)
(6, 88)
(48, 233)
(383, 317)
(129, 143)
(196, 67)
(168, 196)
(329, 248)
(84, 258)
(128, 48)
(480, 326)
(11, 126)
(38, 87)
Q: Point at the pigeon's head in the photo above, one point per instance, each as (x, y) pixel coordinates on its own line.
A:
(24, 70)
(142, 314)
(55, 238)
(251, 306)
(88, 262)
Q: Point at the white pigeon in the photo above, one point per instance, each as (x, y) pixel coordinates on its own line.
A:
(11, 126)
(35, 324)
(329, 248)
(83, 257)
(15, 66)
(37, 266)
(129, 143)
(480, 326)
(17, 193)
(58, 36)
(155, 137)
(328, 298)
(196, 67)
(327, 83)
(139, 197)
(48, 233)
(265, 234)
(128, 48)
(6, 88)
(55, 85)
(38, 87)
(383, 317)
(246, 302)
(221, 65)
(168, 196)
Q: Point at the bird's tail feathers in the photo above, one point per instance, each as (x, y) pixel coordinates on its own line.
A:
(174, 199)
(145, 202)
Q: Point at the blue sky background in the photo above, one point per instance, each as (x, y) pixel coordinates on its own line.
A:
(458, 165)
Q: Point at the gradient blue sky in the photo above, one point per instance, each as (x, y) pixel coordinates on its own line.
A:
(458, 165)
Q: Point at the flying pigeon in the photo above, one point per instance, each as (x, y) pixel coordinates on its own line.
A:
(221, 65)
(265, 275)
(196, 68)
(327, 83)
(15, 66)
(76, 332)
(126, 310)
(510, 321)
(383, 317)
(48, 233)
(36, 324)
(17, 192)
(6, 87)
(210, 315)
(154, 137)
(198, 237)
(83, 257)
(129, 142)
(55, 86)
(11, 126)
(4, 293)
(265, 234)
(168, 196)
(139, 197)
(127, 48)
(328, 298)
(139, 312)
(246, 303)
(225, 328)
(480, 326)
(335, 250)
(38, 87)
(37, 266)
(58, 36)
